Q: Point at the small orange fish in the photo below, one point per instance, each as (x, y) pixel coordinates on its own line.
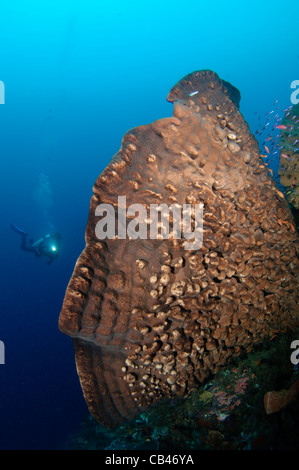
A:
(284, 156)
(267, 149)
(279, 193)
(281, 126)
(281, 222)
(270, 171)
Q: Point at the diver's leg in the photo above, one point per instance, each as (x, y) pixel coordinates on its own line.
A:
(26, 246)
(24, 243)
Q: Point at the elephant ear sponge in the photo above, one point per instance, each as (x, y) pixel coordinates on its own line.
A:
(151, 319)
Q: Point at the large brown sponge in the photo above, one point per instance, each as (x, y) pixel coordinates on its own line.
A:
(150, 319)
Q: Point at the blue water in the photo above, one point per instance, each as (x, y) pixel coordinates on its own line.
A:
(77, 76)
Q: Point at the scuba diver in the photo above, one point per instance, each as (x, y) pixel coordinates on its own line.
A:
(47, 246)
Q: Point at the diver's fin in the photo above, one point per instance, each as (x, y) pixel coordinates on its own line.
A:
(17, 229)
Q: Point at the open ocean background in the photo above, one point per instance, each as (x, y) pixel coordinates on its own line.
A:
(77, 76)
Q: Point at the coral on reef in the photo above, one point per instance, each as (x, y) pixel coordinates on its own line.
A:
(150, 319)
(226, 411)
(289, 155)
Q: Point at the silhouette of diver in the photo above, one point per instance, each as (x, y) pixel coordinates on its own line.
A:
(47, 246)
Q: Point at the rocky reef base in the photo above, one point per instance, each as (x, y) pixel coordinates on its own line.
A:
(229, 411)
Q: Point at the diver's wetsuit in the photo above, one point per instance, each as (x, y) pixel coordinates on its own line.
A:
(27, 246)
(47, 246)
